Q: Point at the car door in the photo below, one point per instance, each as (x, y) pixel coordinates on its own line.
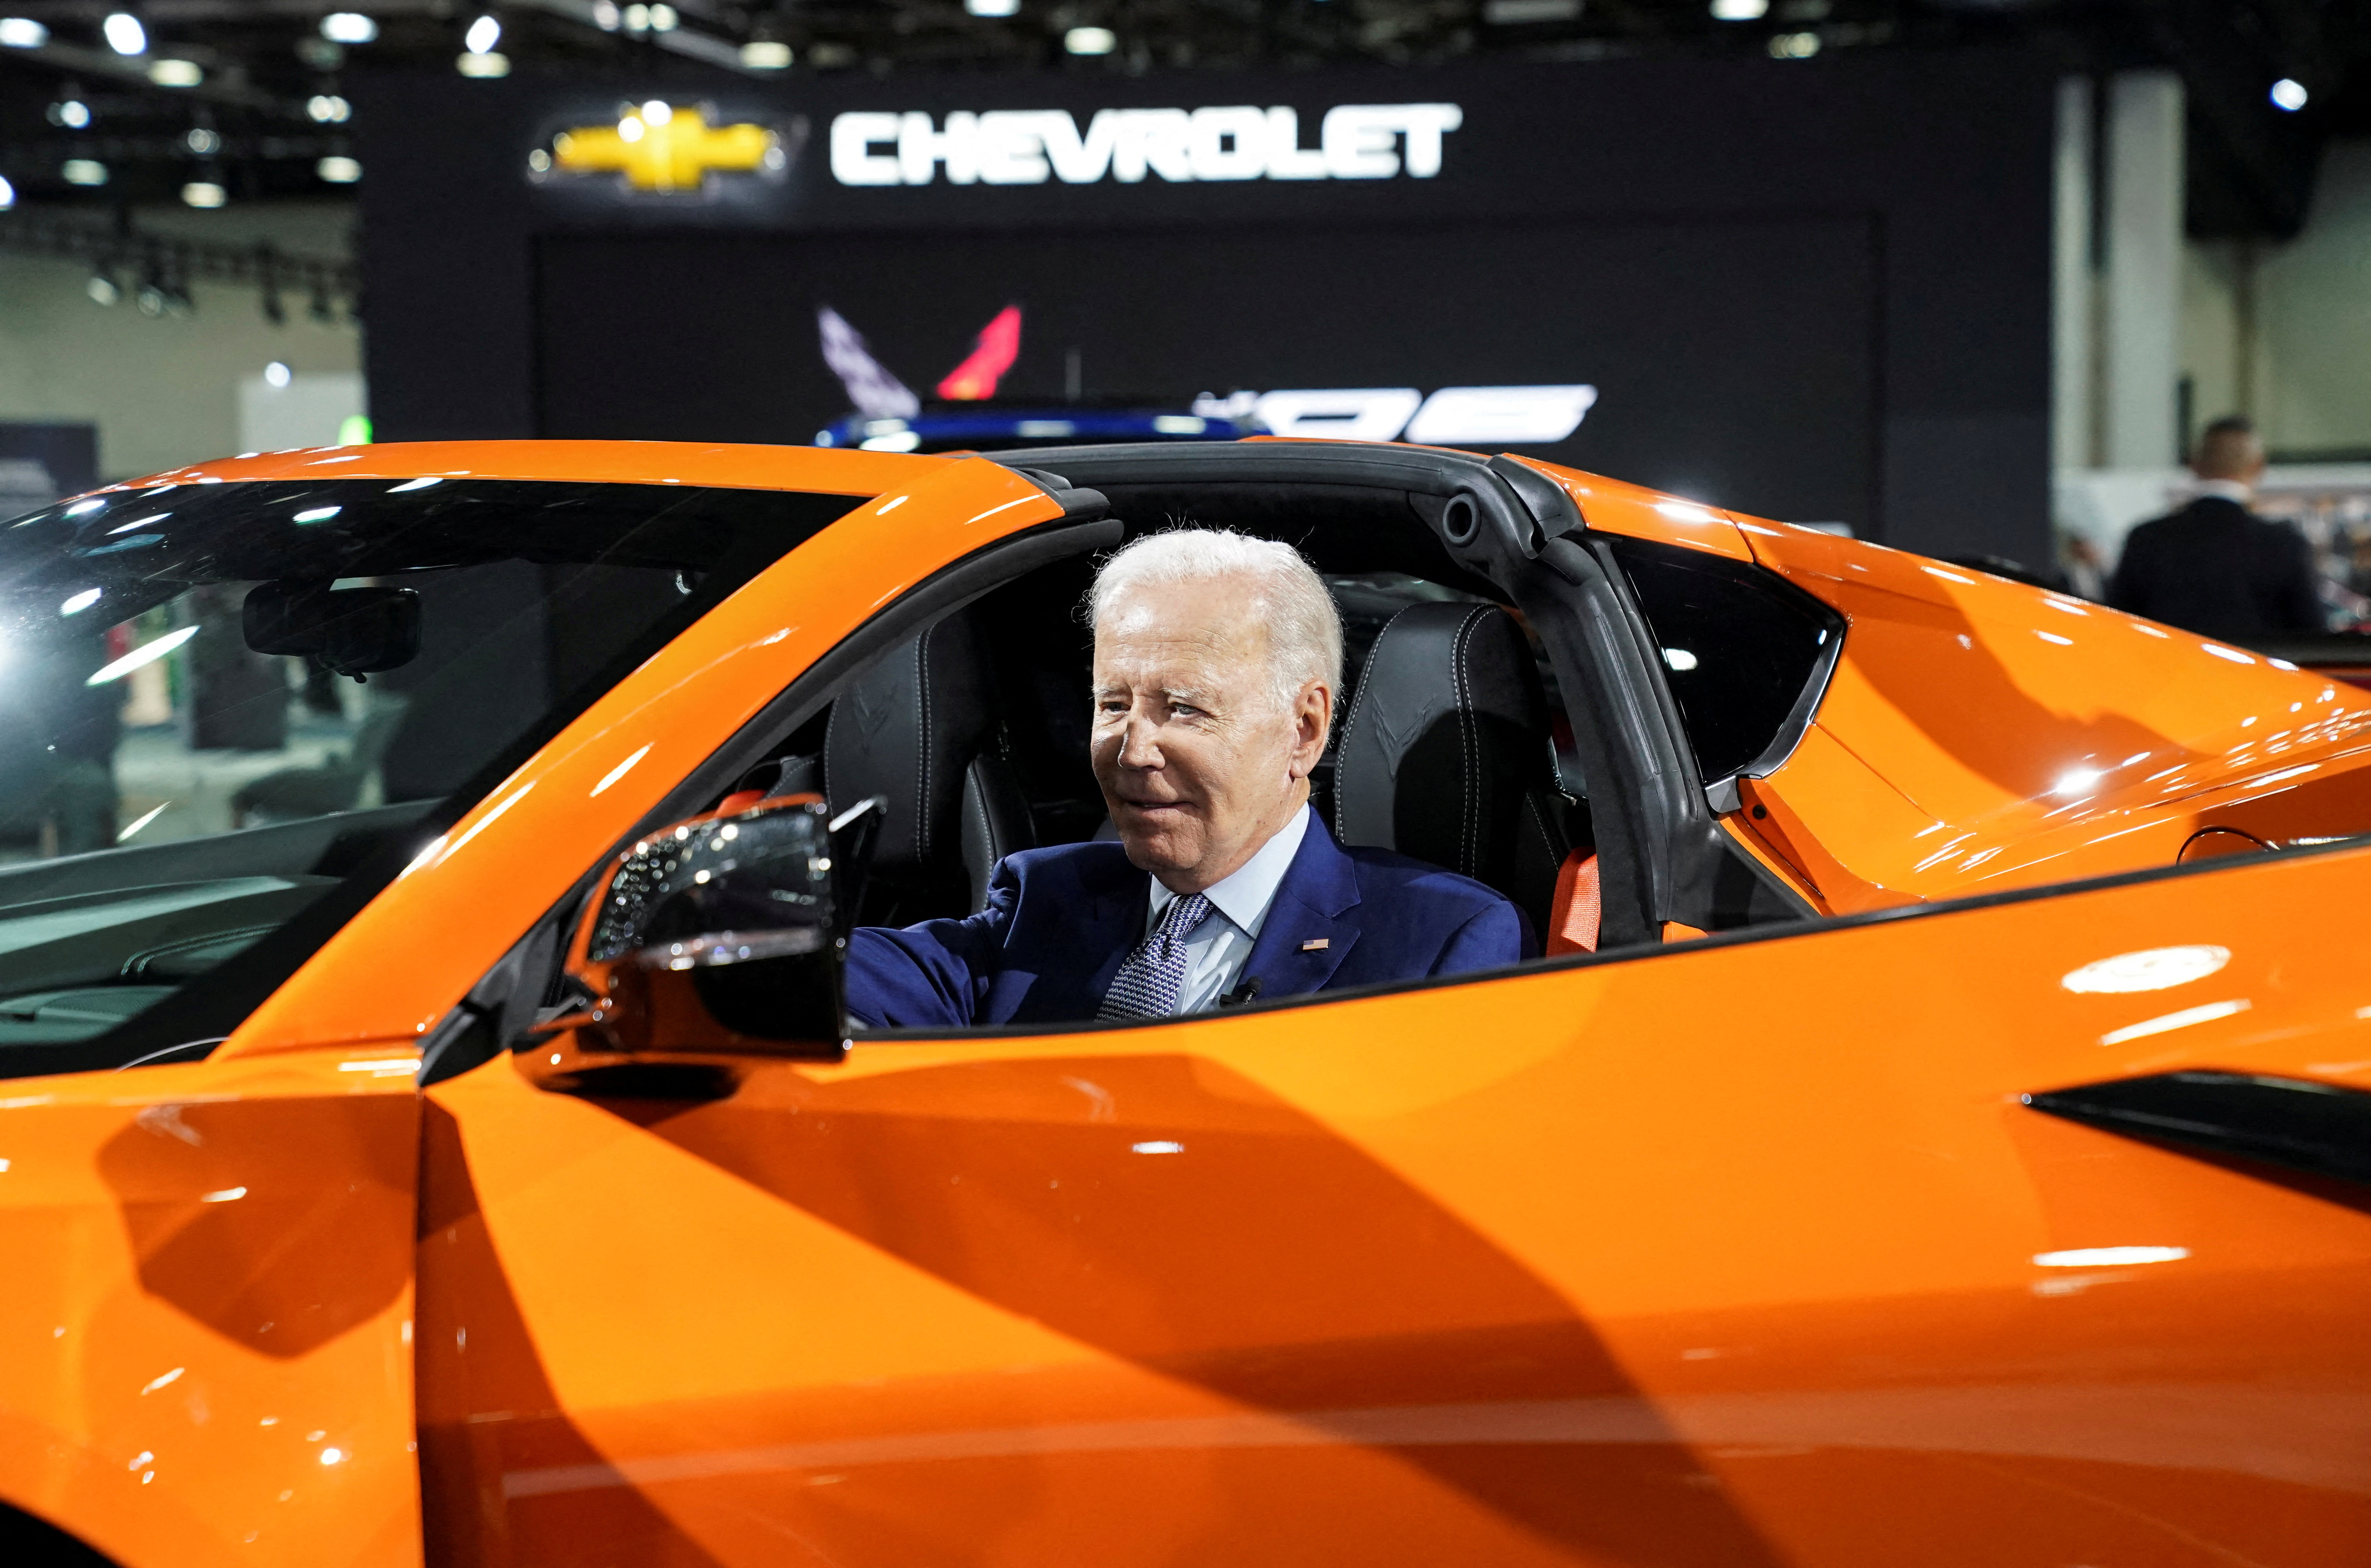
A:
(207, 1329)
(1747, 1250)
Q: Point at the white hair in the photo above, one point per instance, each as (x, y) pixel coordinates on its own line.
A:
(1304, 630)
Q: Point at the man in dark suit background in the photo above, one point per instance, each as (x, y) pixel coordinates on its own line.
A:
(2215, 567)
(1216, 659)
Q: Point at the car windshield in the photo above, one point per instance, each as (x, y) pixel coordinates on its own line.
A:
(229, 713)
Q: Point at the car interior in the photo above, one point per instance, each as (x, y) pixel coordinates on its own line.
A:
(1455, 738)
(1443, 745)
(1549, 710)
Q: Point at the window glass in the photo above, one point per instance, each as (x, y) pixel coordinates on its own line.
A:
(193, 797)
(1738, 648)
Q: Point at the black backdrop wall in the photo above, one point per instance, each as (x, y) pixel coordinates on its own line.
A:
(1815, 291)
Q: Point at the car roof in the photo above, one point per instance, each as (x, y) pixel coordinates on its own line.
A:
(716, 464)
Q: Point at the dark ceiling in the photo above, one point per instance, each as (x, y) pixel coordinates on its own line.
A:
(259, 112)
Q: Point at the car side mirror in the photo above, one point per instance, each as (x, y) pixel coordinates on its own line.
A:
(711, 942)
(351, 630)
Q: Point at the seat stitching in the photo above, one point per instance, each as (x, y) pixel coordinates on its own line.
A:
(922, 748)
(1471, 823)
(978, 795)
(1539, 820)
(1350, 725)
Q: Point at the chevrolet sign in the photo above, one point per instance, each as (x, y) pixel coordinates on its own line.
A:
(1030, 146)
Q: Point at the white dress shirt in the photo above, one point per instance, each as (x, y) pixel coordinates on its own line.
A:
(2225, 489)
(1239, 905)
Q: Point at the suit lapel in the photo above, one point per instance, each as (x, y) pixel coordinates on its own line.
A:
(1109, 922)
(1304, 938)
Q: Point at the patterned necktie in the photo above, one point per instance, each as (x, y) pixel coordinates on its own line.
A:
(1148, 983)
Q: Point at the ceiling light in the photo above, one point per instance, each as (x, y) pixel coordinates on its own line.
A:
(1740, 11)
(202, 193)
(203, 141)
(328, 109)
(124, 34)
(1090, 40)
(1794, 45)
(766, 54)
(2288, 94)
(84, 171)
(484, 66)
(22, 32)
(7, 194)
(102, 288)
(348, 27)
(275, 375)
(338, 170)
(663, 18)
(483, 34)
(177, 74)
(72, 113)
(993, 7)
(658, 111)
(605, 15)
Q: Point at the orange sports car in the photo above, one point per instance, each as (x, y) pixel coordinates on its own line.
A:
(432, 1134)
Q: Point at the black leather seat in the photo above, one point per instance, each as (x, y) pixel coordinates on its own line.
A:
(1446, 756)
(919, 728)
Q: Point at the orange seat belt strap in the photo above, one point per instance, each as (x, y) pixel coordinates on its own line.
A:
(1573, 916)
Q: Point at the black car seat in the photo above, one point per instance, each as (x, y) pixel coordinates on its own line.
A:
(920, 729)
(1445, 755)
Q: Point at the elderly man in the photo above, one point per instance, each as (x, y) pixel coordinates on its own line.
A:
(1217, 662)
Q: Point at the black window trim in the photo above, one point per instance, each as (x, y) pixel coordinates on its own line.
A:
(1722, 793)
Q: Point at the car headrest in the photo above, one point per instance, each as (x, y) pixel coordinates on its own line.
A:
(905, 729)
(1446, 738)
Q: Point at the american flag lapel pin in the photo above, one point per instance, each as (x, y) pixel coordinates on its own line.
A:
(1316, 944)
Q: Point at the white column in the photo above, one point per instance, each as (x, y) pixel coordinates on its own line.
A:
(2144, 281)
(2073, 396)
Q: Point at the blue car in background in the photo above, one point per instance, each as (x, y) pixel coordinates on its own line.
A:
(1005, 428)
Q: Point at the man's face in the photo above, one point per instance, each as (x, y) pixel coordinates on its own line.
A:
(1196, 765)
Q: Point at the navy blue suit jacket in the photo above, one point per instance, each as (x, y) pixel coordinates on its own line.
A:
(1059, 923)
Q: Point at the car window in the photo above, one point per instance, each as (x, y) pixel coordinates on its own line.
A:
(1739, 648)
(228, 712)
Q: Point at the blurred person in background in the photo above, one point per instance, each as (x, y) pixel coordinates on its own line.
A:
(2215, 567)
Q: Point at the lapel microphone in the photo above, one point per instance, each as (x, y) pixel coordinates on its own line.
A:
(1247, 992)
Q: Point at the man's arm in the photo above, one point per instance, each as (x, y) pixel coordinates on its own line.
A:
(2130, 589)
(931, 976)
(1497, 937)
(2300, 588)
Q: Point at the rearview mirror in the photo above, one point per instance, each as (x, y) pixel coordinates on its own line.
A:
(351, 630)
(715, 939)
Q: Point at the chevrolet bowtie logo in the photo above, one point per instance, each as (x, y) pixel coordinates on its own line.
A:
(662, 148)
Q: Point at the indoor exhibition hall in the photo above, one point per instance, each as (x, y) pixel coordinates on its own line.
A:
(1185, 783)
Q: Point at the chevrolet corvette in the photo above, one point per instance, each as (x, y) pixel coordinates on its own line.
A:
(1935, 1128)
